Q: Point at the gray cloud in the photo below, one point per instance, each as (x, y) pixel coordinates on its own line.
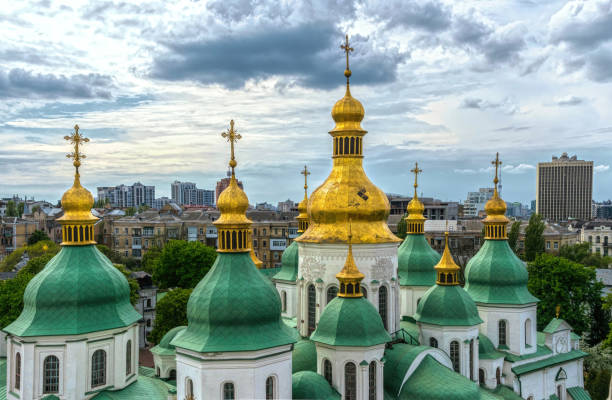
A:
(430, 16)
(507, 106)
(582, 25)
(19, 83)
(309, 53)
(569, 101)
(598, 65)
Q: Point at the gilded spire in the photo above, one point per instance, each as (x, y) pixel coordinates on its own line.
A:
(415, 221)
(347, 50)
(496, 221)
(77, 221)
(350, 276)
(232, 137)
(302, 218)
(446, 268)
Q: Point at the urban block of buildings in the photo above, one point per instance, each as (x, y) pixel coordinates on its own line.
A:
(187, 193)
(124, 196)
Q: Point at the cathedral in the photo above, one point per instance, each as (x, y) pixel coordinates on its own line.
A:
(354, 312)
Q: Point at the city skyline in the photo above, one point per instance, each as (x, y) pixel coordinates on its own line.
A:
(443, 84)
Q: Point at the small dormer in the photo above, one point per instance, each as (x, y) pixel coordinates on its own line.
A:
(558, 336)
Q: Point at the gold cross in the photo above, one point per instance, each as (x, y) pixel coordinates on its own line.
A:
(305, 173)
(497, 163)
(76, 139)
(347, 49)
(232, 136)
(416, 172)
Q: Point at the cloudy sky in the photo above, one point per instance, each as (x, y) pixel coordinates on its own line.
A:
(443, 83)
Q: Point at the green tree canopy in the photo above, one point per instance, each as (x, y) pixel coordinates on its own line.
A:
(183, 264)
(33, 251)
(37, 236)
(132, 282)
(11, 209)
(572, 286)
(11, 297)
(150, 259)
(581, 253)
(534, 238)
(402, 227)
(170, 312)
(20, 209)
(513, 235)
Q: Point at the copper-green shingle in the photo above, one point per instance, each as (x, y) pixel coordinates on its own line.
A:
(289, 267)
(309, 385)
(304, 356)
(447, 306)
(416, 261)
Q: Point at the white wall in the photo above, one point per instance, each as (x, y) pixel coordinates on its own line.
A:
(291, 290)
(516, 317)
(542, 384)
(410, 295)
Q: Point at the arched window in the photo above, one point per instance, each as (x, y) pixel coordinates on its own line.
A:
(372, 381)
(128, 358)
(498, 376)
(528, 332)
(350, 381)
(443, 278)
(228, 391)
(327, 371)
(270, 388)
(382, 304)
(454, 355)
(312, 299)
(172, 374)
(346, 145)
(364, 291)
(332, 292)
(502, 332)
(189, 389)
(481, 376)
(433, 342)
(98, 368)
(472, 359)
(352, 146)
(51, 375)
(284, 300)
(17, 384)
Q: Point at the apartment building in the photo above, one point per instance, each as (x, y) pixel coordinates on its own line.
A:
(565, 189)
(222, 184)
(475, 202)
(187, 193)
(599, 234)
(555, 236)
(14, 233)
(123, 196)
(434, 209)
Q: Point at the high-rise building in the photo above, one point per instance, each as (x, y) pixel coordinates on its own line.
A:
(476, 201)
(224, 183)
(188, 194)
(127, 196)
(565, 188)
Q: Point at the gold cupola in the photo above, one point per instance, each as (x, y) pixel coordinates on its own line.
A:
(415, 221)
(496, 221)
(350, 277)
(347, 193)
(77, 221)
(233, 226)
(447, 270)
(302, 217)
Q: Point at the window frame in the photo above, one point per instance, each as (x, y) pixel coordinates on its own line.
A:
(455, 355)
(51, 387)
(98, 369)
(350, 381)
(271, 385)
(225, 388)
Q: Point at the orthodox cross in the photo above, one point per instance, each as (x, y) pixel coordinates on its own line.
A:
(497, 163)
(232, 137)
(416, 172)
(305, 173)
(76, 139)
(347, 49)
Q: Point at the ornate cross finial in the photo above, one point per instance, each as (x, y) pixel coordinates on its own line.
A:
(347, 49)
(232, 137)
(416, 172)
(305, 172)
(558, 310)
(497, 163)
(76, 139)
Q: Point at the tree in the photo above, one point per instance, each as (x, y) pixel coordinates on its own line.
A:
(183, 264)
(150, 259)
(513, 236)
(597, 367)
(36, 264)
(130, 263)
(572, 286)
(581, 253)
(402, 227)
(130, 211)
(37, 236)
(534, 239)
(20, 209)
(11, 297)
(143, 208)
(170, 312)
(134, 287)
(11, 209)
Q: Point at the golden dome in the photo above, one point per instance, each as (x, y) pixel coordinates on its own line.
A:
(350, 276)
(415, 209)
(496, 220)
(446, 268)
(77, 203)
(233, 204)
(496, 208)
(348, 114)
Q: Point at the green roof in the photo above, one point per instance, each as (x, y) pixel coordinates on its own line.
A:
(310, 385)
(289, 268)
(555, 325)
(234, 308)
(144, 388)
(304, 356)
(578, 393)
(160, 295)
(165, 347)
(541, 351)
(486, 349)
(433, 381)
(78, 291)
(495, 275)
(416, 261)
(548, 362)
(350, 321)
(506, 393)
(398, 359)
(553, 397)
(410, 327)
(269, 272)
(447, 306)
(2, 378)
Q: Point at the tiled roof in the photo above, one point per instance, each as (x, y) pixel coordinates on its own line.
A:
(540, 351)
(2, 378)
(310, 385)
(447, 306)
(578, 393)
(304, 356)
(548, 362)
(604, 276)
(416, 260)
(289, 269)
(144, 388)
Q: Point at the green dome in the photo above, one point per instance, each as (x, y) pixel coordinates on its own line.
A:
(304, 356)
(310, 385)
(495, 275)
(486, 349)
(416, 261)
(78, 291)
(164, 346)
(349, 321)
(447, 306)
(233, 308)
(289, 268)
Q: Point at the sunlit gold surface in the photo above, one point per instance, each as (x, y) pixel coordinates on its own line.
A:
(348, 114)
(350, 276)
(233, 204)
(496, 220)
(415, 219)
(447, 267)
(302, 218)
